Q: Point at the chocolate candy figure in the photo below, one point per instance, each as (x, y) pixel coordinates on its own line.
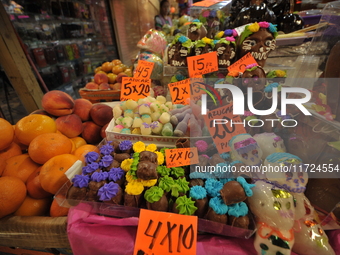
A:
(196, 31)
(225, 52)
(259, 40)
(179, 50)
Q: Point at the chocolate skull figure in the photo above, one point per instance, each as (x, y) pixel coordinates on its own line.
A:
(179, 50)
(255, 77)
(225, 53)
(269, 143)
(274, 215)
(196, 31)
(259, 40)
(203, 46)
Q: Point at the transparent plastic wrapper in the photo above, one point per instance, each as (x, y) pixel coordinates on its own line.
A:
(153, 41)
(149, 56)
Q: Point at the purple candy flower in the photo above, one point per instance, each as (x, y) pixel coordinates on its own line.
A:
(91, 156)
(125, 145)
(116, 174)
(107, 149)
(94, 166)
(99, 176)
(87, 170)
(108, 191)
(106, 160)
(81, 181)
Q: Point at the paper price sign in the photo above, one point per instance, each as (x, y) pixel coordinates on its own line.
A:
(134, 88)
(162, 233)
(223, 125)
(181, 157)
(180, 91)
(240, 65)
(144, 69)
(202, 64)
(197, 86)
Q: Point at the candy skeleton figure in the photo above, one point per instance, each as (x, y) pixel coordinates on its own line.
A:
(310, 238)
(269, 143)
(274, 214)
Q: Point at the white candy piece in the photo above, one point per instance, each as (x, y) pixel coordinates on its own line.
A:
(137, 122)
(141, 101)
(155, 115)
(128, 113)
(127, 122)
(131, 104)
(119, 120)
(164, 118)
(155, 106)
(164, 108)
(117, 111)
(156, 127)
(161, 99)
(146, 118)
(123, 106)
(169, 105)
(145, 129)
(144, 109)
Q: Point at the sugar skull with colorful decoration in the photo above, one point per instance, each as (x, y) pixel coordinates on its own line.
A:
(274, 215)
(226, 50)
(291, 173)
(254, 77)
(269, 143)
(196, 30)
(245, 148)
(259, 40)
(179, 50)
(205, 45)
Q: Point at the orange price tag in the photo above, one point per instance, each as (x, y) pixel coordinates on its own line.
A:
(223, 125)
(180, 91)
(197, 88)
(144, 69)
(165, 233)
(240, 65)
(206, 3)
(134, 88)
(202, 64)
(181, 157)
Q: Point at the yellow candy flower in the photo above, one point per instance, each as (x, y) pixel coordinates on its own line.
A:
(207, 40)
(220, 34)
(280, 73)
(134, 188)
(254, 27)
(129, 178)
(138, 147)
(151, 147)
(160, 158)
(126, 164)
(148, 183)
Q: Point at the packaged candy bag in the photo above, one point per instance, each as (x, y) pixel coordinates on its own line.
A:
(154, 41)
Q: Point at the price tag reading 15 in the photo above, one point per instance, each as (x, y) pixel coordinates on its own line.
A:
(202, 64)
(144, 69)
(181, 157)
(134, 88)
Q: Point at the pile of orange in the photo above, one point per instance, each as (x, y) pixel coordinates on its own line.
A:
(113, 68)
(33, 160)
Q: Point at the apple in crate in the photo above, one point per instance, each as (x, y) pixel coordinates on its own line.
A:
(91, 85)
(101, 78)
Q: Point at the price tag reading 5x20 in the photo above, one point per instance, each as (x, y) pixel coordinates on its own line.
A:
(135, 88)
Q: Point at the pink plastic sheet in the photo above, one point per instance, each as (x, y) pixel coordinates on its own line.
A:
(91, 234)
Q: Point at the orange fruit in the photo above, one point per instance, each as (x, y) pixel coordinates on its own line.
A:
(31, 126)
(21, 166)
(107, 67)
(116, 62)
(83, 150)
(11, 151)
(58, 211)
(78, 141)
(33, 207)
(97, 69)
(73, 146)
(112, 77)
(12, 194)
(117, 69)
(33, 186)
(46, 146)
(101, 71)
(128, 72)
(52, 173)
(6, 134)
(124, 67)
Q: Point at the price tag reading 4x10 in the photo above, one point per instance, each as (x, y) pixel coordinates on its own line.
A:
(144, 69)
(181, 157)
(202, 64)
(134, 88)
(162, 233)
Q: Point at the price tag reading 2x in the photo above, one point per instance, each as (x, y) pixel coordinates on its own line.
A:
(181, 157)
(134, 88)
(202, 64)
(180, 91)
(144, 69)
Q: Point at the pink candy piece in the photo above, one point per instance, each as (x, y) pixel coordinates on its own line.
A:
(201, 145)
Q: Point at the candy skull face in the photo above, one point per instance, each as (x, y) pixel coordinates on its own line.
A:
(245, 148)
(225, 53)
(201, 50)
(269, 143)
(255, 78)
(177, 55)
(195, 33)
(272, 206)
(291, 174)
(260, 44)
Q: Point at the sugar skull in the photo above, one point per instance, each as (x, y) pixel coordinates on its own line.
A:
(254, 77)
(286, 171)
(178, 51)
(259, 40)
(245, 148)
(269, 143)
(225, 53)
(203, 46)
(196, 31)
(274, 212)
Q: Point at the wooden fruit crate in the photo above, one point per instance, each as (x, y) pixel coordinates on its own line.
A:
(34, 232)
